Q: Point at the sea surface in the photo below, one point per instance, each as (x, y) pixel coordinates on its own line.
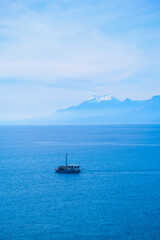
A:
(116, 195)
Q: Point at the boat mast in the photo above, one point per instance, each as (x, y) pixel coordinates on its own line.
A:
(66, 158)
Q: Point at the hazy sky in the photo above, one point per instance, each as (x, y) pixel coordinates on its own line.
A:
(57, 53)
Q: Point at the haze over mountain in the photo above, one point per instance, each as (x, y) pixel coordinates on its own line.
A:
(103, 110)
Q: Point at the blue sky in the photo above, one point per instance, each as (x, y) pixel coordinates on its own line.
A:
(54, 54)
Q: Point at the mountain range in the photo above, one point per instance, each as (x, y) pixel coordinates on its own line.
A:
(105, 110)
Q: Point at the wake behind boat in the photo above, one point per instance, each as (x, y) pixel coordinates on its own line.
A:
(71, 168)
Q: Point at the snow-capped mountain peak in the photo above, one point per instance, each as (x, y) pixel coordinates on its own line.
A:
(96, 98)
(104, 98)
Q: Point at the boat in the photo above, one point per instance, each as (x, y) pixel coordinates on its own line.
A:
(68, 168)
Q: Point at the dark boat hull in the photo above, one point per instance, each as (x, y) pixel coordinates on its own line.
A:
(68, 171)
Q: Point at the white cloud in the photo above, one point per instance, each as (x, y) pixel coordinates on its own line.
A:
(49, 49)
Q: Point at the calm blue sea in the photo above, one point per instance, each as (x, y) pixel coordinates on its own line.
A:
(116, 196)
